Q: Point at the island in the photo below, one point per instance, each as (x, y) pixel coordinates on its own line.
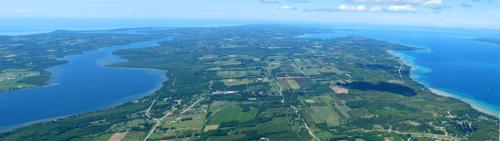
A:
(266, 82)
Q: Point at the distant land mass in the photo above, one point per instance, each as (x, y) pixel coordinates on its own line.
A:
(25, 58)
(255, 82)
(488, 40)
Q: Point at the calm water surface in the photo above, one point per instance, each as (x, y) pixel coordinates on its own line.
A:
(84, 84)
(451, 62)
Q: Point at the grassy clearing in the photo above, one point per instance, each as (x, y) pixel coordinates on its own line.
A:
(231, 74)
(211, 127)
(234, 82)
(190, 122)
(341, 107)
(331, 69)
(232, 113)
(325, 99)
(104, 137)
(226, 138)
(312, 71)
(323, 114)
(278, 124)
(228, 62)
(324, 135)
(293, 84)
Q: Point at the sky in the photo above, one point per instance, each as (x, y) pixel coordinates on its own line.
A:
(441, 13)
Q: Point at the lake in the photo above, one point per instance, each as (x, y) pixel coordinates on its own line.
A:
(82, 85)
(451, 64)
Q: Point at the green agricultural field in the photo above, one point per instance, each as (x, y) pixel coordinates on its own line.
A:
(194, 121)
(227, 63)
(232, 112)
(104, 137)
(277, 87)
(278, 124)
(211, 127)
(293, 84)
(331, 69)
(10, 79)
(244, 81)
(323, 114)
(234, 82)
(226, 138)
(231, 74)
(321, 110)
(325, 99)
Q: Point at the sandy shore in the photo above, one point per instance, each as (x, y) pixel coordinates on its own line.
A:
(474, 104)
(408, 60)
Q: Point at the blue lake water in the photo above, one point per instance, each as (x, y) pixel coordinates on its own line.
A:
(451, 63)
(84, 84)
(467, 69)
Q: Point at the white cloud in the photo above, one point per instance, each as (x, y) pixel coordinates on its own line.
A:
(433, 4)
(365, 8)
(344, 7)
(283, 1)
(287, 7)
(400, 8)
(422, 3)
(352, 8)
(372, 1)
(391, 1)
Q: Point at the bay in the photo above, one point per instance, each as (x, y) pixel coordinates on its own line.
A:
(83, 84)
(450, 62)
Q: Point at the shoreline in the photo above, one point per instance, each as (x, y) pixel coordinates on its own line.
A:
(409, 61)
(106, 65)
(112, 104)
(471, 102)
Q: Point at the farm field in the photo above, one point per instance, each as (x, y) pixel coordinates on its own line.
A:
(264, 82)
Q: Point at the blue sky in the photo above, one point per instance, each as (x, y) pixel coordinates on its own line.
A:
(446, 13)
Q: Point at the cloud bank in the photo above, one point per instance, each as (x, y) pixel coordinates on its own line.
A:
(390, 6)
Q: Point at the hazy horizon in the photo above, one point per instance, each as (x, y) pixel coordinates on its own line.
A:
(428, 13)
(26, 26)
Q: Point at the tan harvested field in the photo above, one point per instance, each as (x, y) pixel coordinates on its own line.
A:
(211, 127)
(118, 136)
(234, 82)
(339, 89)
(231, 74)
(293, 84)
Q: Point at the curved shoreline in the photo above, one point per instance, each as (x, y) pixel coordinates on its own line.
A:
(474, 104)
(111, 105)
(106, 64)
(482, 107)
(416, 70)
